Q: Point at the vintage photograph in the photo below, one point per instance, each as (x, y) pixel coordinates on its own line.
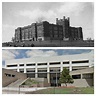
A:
(47, 24)
(47, 71)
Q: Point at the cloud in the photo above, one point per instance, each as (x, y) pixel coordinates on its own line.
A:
(72, 8)
(9, 54)
(63, 9)
(75, 51)
(40, 53)
(7, 31)
(37, 14)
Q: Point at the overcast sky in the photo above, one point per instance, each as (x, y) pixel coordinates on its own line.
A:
(16, 14)
(9, 54)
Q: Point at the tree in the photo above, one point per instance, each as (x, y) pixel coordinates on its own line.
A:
(65, 77)
(13, 39)
(89, 39)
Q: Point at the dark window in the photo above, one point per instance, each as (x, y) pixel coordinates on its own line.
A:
(13, 75)
(9, 75)
(76, 76)
(85, 61)
(55, 28)
(42, 70)
(32, 75)
(30, 64)
(11, 65)
(55, 70)
(30, 70)
(42, 75)
(22, 71)
(42, 64)
(53, 63)
(66, 62)
(87, 76)
(21, 65)
(54, 78)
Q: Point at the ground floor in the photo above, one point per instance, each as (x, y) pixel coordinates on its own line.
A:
(81, 77)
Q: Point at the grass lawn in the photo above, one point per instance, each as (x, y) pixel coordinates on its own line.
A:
(60, 90)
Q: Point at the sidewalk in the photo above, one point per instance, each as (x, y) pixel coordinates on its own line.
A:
(12, 90)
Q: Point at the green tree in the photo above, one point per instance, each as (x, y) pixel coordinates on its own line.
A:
(65, 77)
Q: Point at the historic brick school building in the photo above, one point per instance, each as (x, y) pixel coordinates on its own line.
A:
(46, 31)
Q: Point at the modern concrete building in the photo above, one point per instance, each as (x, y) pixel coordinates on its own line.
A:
(10, 76)
(46, 31)
(51, 67)
(83, 77)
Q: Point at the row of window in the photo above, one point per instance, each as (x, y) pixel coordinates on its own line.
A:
(84, 76)
(9, 75)
(33, 71)
(52, 63)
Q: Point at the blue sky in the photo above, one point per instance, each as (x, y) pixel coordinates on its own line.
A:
(16, 14)
(8, 54)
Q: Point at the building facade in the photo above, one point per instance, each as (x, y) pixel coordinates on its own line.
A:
(10, 76)
(46, 31)
(50, 67)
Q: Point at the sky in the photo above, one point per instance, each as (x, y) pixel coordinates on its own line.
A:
(9, 54)
(19, 14)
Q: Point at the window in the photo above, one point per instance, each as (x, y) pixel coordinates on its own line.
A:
(50, 27)
(30, 70)
(42, 70)
(76, 76)
(21, 65)
(44, 75)
(66, 62)
(21, 70)
(84, 61)
(87, 76)
(54, 78)
(42, 64)
(55, 70)
(53, 63)
(13, 75)
(55, 28)
(30, 64)
(9, 75)
(11, 65)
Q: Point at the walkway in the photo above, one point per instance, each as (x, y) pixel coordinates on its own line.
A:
(12, 90)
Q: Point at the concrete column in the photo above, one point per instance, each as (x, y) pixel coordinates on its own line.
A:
(48, 74)
(81, 76)
(36, 70)
(24, 67)
(61, 67)
(17, 67)
(70, 65)
(90, 63)
(48, 77)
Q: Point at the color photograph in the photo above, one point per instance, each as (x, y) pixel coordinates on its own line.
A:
(47, 71)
